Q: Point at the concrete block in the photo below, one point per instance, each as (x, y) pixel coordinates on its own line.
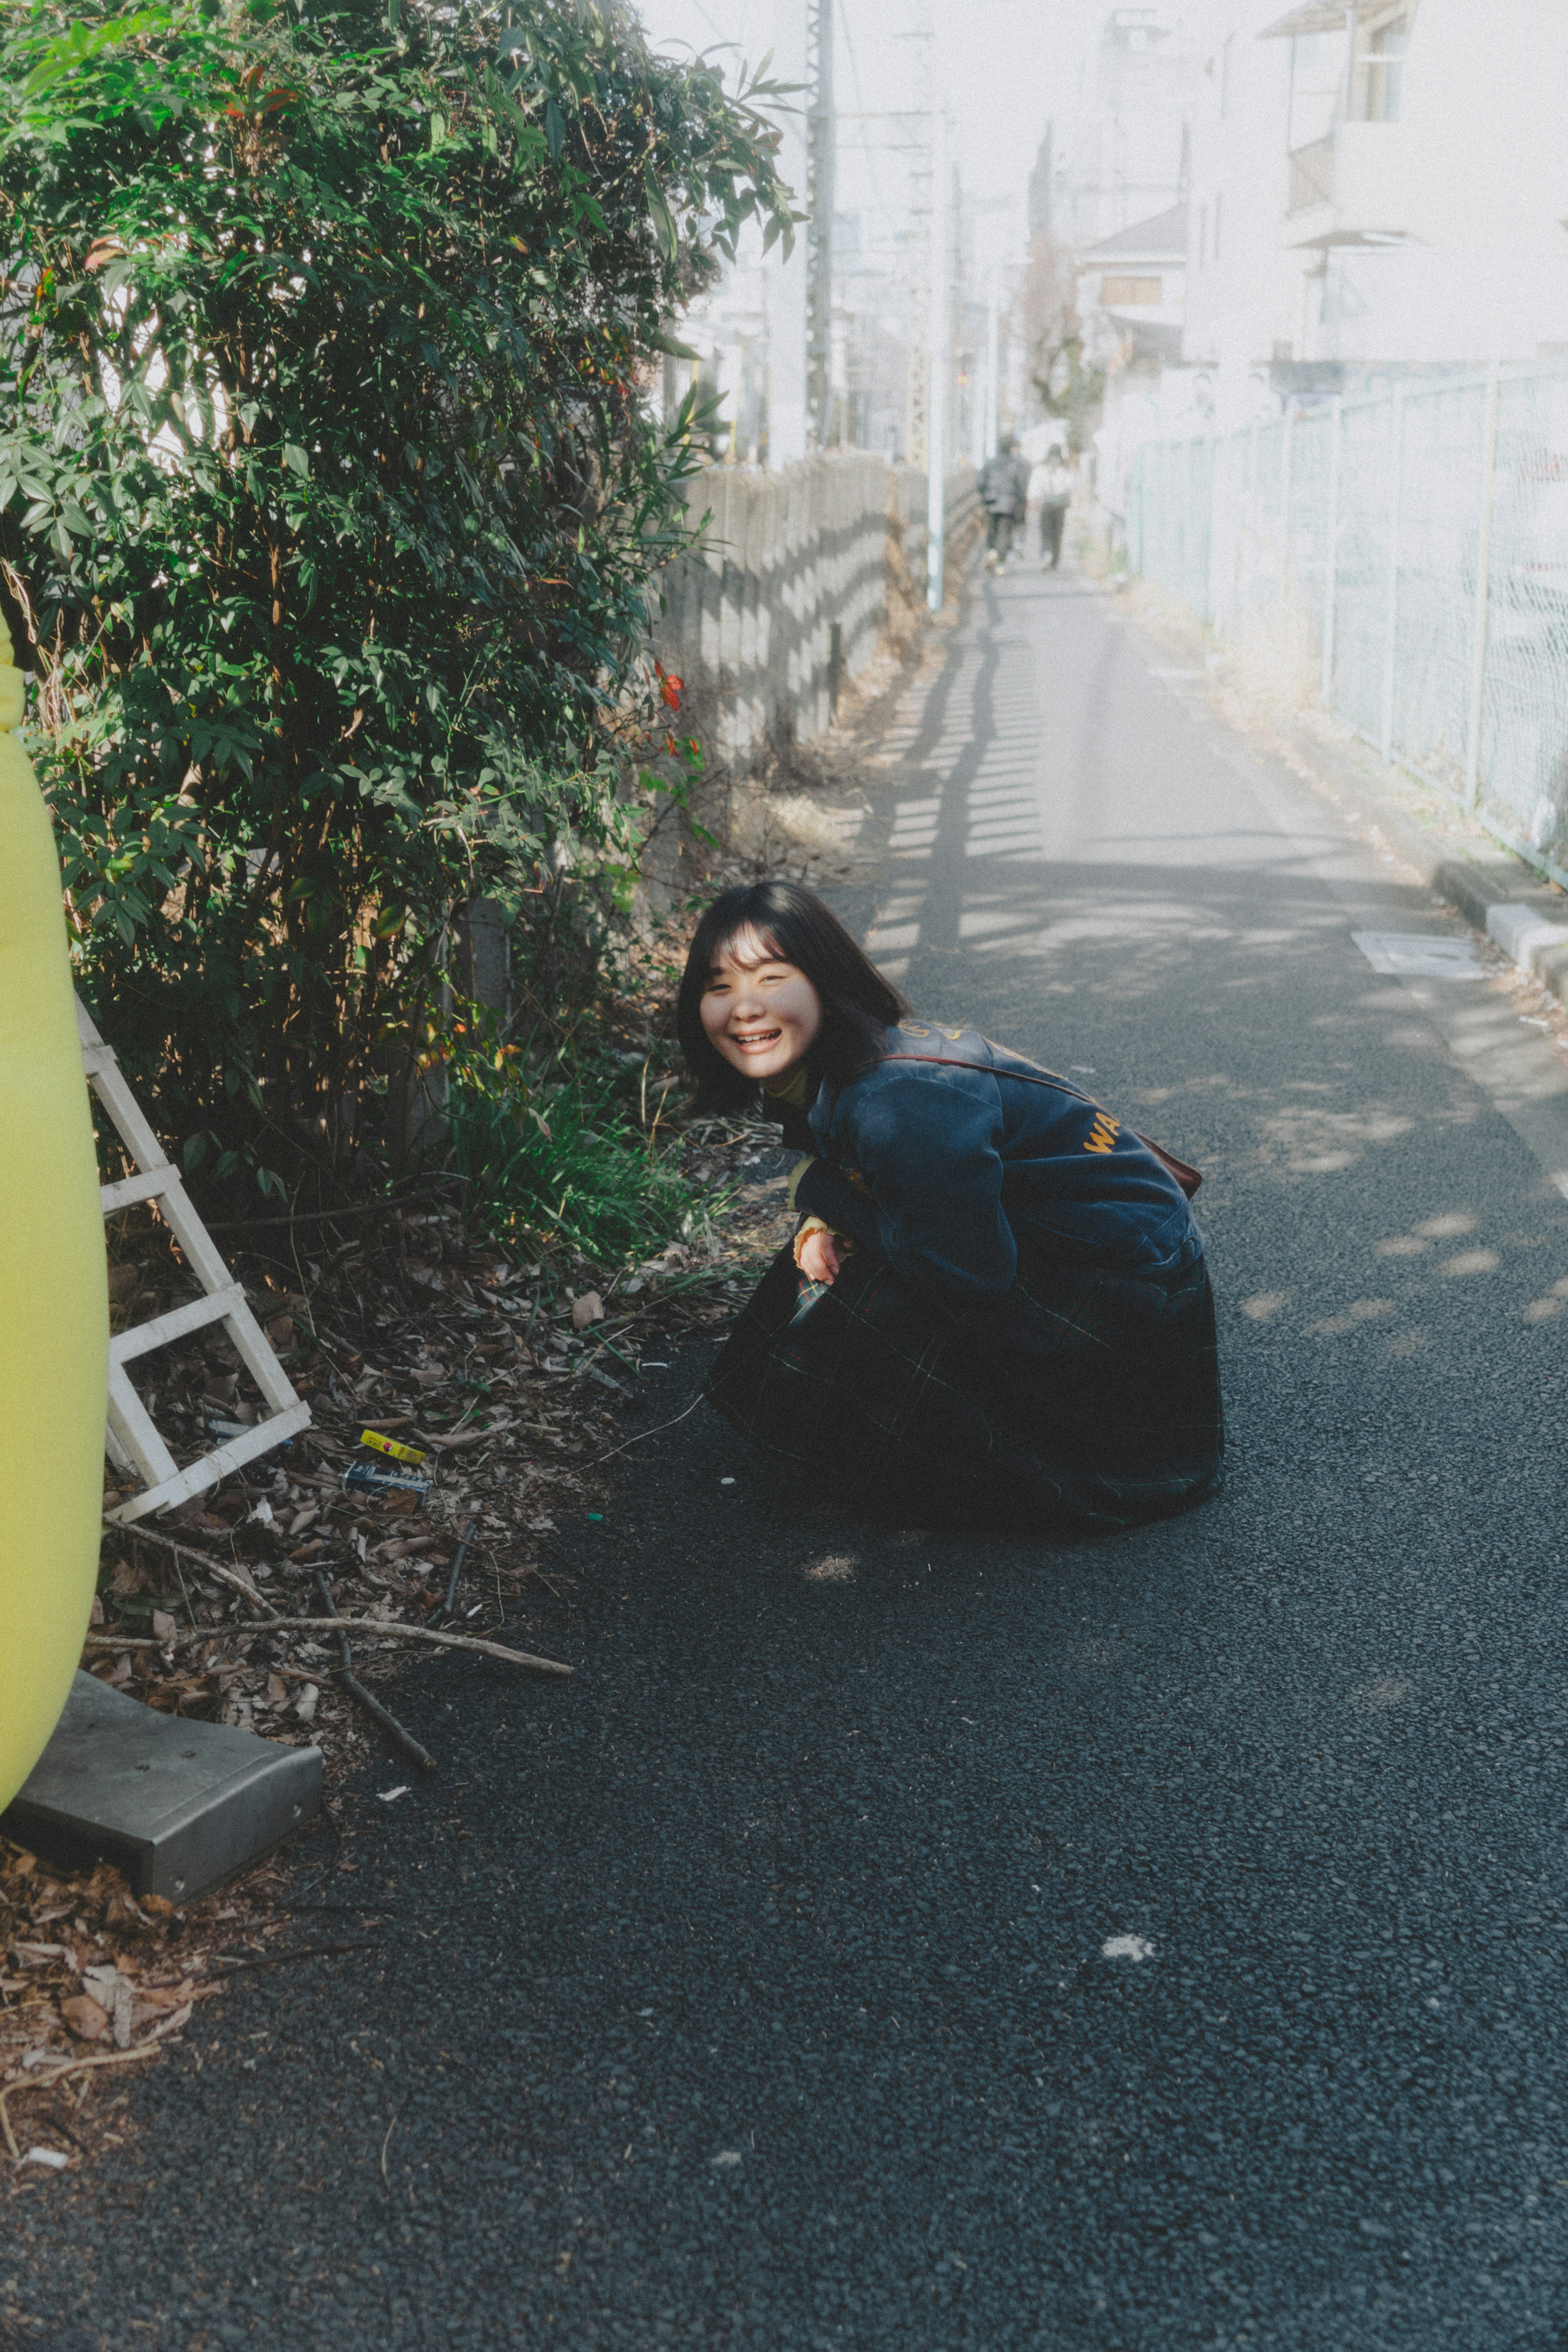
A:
(1524, 933)
(176, 1805)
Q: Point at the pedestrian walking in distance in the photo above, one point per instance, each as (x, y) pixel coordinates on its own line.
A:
(1003, 480)
(1050, 487)
(996, 1304)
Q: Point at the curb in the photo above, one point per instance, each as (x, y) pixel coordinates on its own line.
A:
(1496, 891)
(1494, 888)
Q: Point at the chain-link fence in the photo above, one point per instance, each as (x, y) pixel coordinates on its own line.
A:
(1404, 557)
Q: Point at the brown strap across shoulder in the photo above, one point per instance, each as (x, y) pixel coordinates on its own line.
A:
(1187, 1177)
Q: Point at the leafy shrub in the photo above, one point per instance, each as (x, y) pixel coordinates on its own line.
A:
(330, 497)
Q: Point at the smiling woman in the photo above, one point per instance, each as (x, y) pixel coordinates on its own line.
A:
(760, 1012)
(996, 1304)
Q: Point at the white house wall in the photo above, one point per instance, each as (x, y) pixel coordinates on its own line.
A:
(1244, 305)
(1477, 168)
(1484, 275)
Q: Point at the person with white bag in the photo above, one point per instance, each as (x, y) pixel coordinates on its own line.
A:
(1051, 483)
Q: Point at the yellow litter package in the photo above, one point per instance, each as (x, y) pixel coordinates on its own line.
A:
(53, 1292)
(389, 1445)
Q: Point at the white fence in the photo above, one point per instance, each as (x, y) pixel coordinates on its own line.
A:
(1408, 554)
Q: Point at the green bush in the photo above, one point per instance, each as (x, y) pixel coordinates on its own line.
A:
(330, 495)
(563, 1166)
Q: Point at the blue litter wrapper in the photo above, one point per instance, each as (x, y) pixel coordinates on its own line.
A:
(383, 1482)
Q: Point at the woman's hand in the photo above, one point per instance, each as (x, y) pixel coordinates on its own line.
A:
(818, 1258)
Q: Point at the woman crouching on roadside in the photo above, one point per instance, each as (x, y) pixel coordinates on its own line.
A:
(996, 1306)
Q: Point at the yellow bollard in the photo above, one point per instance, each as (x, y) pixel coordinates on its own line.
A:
(53, 1298)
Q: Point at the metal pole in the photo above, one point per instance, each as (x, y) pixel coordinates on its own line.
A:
(1396, 503)
(936, 427)
(1247, 553)
(819, 175)
(1287, 518)
(1135, 510)
(977, 417)
(1483, 587)
(1337, 435)
(917, 420)
(993, 366)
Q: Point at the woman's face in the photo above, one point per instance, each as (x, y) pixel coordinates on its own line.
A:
(760, 1012)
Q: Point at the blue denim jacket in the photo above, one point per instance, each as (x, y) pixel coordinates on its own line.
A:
(937, 1169)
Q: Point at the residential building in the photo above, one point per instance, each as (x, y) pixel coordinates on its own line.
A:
(1131, 292)
(1376, 188)
(1244, 283)
(1131, 306)
(1120, 157)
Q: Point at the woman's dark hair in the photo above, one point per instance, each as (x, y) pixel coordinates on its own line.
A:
(858, 1004)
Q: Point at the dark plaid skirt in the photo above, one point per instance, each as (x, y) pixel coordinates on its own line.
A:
(1087, 1398)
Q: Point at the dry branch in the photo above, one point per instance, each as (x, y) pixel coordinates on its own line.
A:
(75, 2066)
(233, 1577)
(380, 1627)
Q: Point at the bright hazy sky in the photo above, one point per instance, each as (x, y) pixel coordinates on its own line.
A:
(1008, 65)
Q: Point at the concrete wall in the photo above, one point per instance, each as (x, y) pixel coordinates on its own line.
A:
(784, 601)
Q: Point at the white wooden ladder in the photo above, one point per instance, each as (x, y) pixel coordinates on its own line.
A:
(132, 1437)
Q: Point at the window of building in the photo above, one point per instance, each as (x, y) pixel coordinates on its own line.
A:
(1384, 68)
(1218, 209)
(1142, 293)
(1226, 54)
(1203, 238)
(1317, 86)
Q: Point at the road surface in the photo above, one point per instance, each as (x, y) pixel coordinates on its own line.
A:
(902, 1943)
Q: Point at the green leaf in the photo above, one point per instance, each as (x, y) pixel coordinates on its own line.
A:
(294, 457)
(664, 222)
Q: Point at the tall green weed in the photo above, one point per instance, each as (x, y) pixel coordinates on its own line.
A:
(559, 1162)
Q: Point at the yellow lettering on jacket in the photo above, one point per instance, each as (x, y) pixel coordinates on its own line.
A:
(1102, 1137)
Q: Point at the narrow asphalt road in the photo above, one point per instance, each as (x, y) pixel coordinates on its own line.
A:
(925, 1942)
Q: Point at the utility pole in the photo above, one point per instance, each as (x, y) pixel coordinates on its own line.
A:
(938, 370)
(993, 363)
(820, 142)
(977, 415)
(922, 276)
(930, 315)
(785, 282)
